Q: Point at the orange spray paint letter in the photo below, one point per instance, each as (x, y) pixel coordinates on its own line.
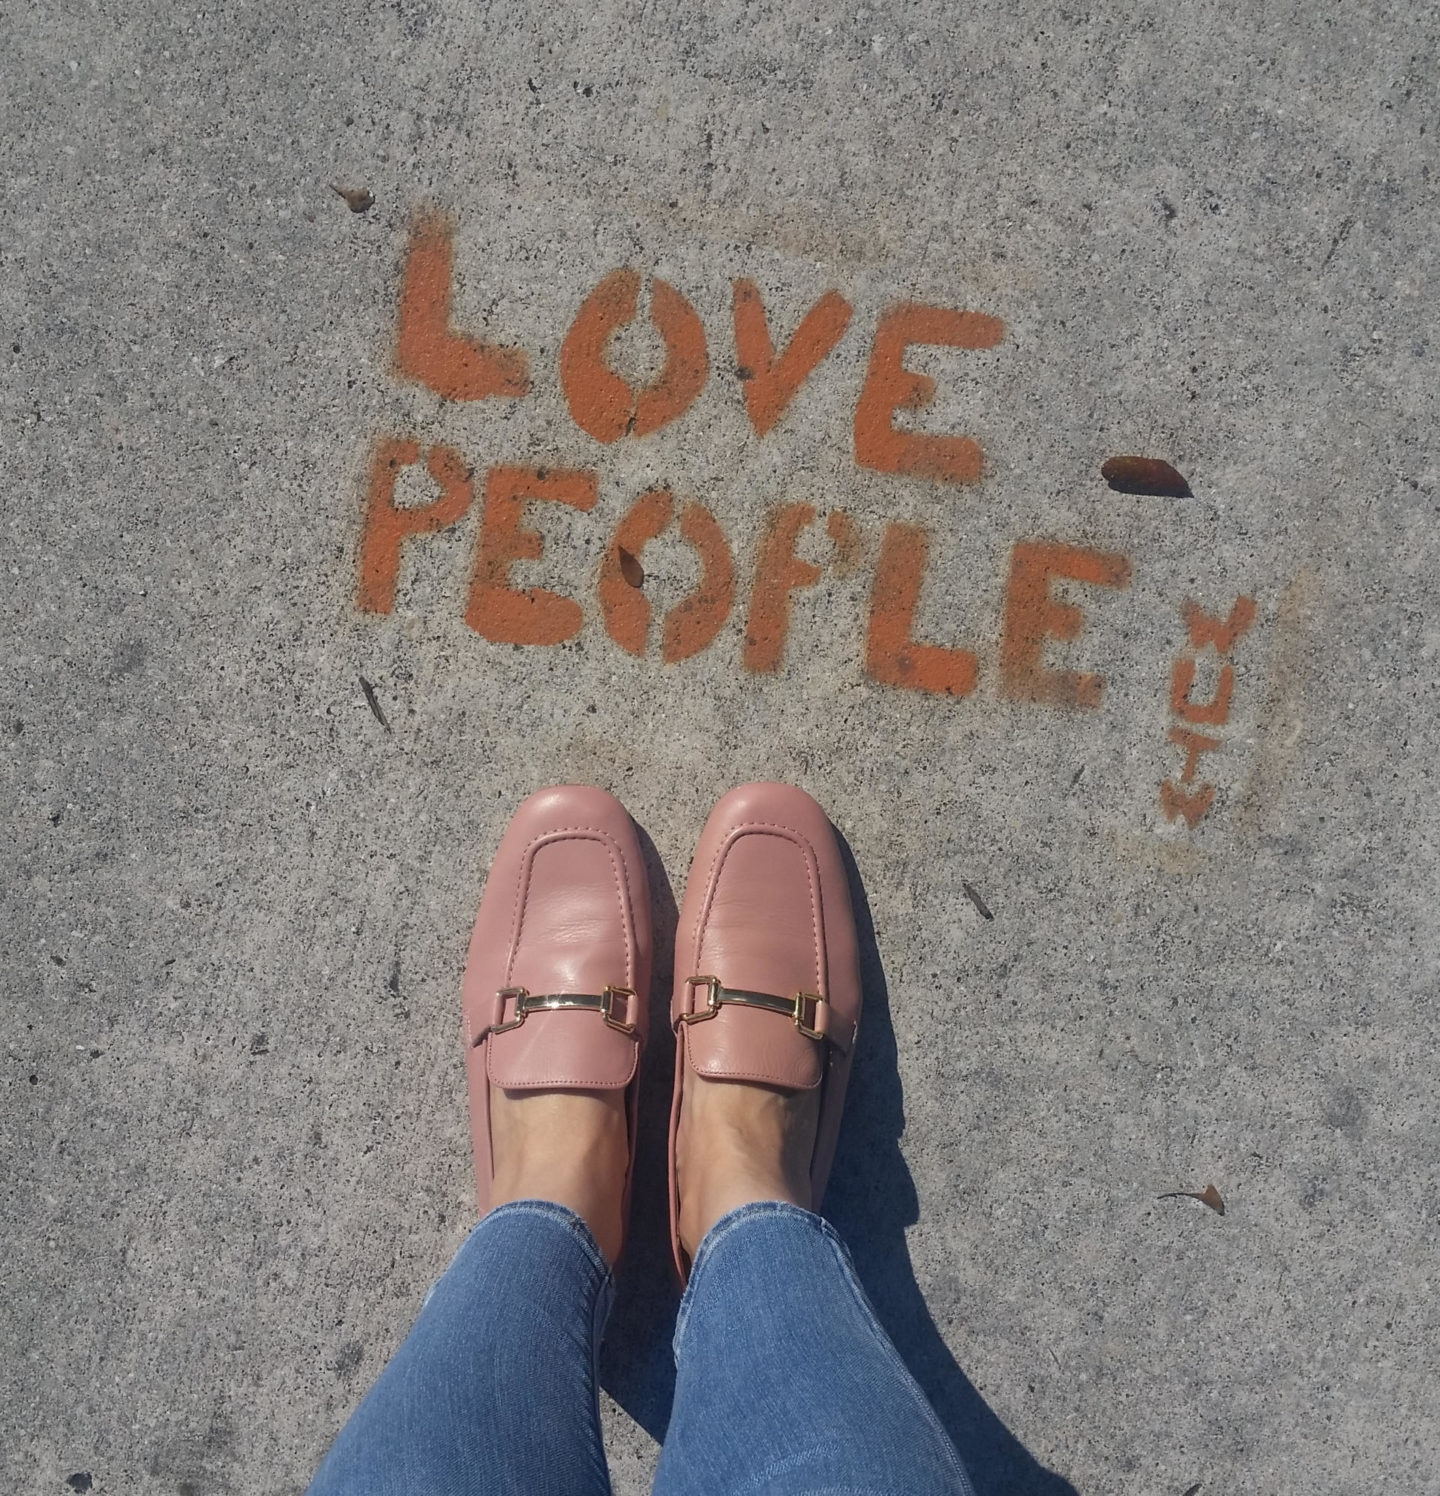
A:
(1195, 744)
(1192, 804)
(496, 611)
(1213, 713)
(778, 572)
(1222, 633)
(1032, 616)
(448, 362)
(771, 383)
(601, 402)
(624, 607)
(891, 653)
(694, 621)
(890, 386)
(387, 528)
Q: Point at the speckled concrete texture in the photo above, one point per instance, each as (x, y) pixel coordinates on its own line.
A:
(236, 905)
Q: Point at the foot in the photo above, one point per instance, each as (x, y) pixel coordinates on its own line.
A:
(738, 1143)
(572, 1147)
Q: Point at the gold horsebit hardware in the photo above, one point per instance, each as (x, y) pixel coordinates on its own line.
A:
(602, 1003)
(803, 1009)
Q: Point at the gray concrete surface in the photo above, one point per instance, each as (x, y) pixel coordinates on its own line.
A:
(235, 907)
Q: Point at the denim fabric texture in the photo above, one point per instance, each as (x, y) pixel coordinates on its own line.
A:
(785, 1381)
(495, 1391)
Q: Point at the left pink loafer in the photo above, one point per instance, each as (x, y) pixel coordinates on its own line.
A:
(557, 981)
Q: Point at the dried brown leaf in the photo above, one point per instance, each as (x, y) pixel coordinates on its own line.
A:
(357, 199)
(630, 568)
(1208, 1196)
(373, 701)
(1145, 475)
(973, 894)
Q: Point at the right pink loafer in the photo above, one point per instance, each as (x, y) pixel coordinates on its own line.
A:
(767, 970)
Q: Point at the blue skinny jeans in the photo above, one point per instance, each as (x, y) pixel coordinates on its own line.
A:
(785, 1382)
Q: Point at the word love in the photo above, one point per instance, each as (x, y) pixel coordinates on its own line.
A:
(607, 407)
(506, 614)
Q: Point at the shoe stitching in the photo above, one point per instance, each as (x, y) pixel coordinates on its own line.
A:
(522, 887)
(812, 863)
(774, 1080)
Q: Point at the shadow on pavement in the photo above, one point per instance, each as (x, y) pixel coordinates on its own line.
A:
(636, 1365)
(871, 1200)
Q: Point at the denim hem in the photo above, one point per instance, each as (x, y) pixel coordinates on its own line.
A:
(562, 1215)
(735, 1219)
(603, 1276)
(529, 1289)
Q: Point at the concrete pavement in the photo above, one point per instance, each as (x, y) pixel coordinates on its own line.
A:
(1139, 789)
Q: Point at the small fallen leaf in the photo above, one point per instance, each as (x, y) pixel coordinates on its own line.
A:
(973, 894)
(357, 199)
(1208, 1196)
(1145, 475)
(373, 701)
(630, 568)
(1193, 1489)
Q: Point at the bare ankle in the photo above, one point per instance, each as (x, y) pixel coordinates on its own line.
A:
(739, 1145)
(568, 1147)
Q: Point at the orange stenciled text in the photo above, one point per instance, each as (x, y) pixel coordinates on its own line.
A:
(1033, 615)
(496, 610)
(891, 652)
(504, 613)
(601, 402)
(1188, 797)
(771, 383)
(387, 528)
(890, 386)
(1045, 578)
(427, 349)
(694, 621)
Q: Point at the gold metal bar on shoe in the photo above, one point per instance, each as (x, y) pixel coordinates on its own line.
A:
(552, 1002)
(803, 1009)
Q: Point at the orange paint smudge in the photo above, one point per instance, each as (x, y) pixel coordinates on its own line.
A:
(849, 549)
(1192, 804)
(1032, 616)
(770, 384)
(891, 653)
(427, 349)
(1213, 713)
(387, 528)
(601, 402)
(495, 610)
(1205, 628)
(890, 386)
(1195, 744)
(778, 572)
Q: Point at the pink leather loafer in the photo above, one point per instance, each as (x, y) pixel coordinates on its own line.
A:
(557, 980)
(767, 972)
